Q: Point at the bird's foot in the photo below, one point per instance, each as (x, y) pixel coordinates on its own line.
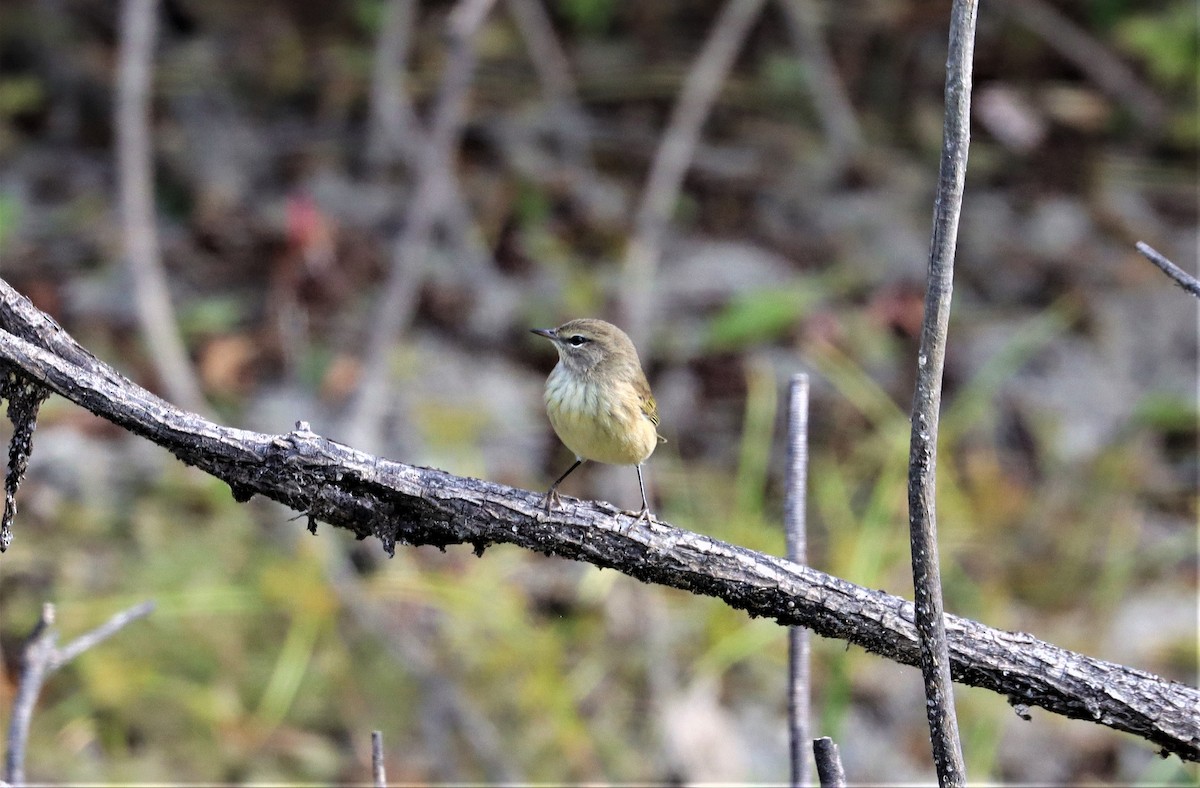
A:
(552, 501)
(643, 515)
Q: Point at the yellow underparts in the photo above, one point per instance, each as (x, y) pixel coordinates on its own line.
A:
(603, 426)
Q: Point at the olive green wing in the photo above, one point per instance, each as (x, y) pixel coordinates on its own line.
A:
(646, 401)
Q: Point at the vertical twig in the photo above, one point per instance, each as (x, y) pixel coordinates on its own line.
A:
(922, 467)
(378, 773)
(398, 301)
(40, 658)
(1177, 274)
(795, 523)
(829, 763)
(829, 97)
(24, 398)
(673, 157)
(152, 297)
(35, 661)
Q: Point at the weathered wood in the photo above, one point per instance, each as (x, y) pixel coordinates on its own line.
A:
(406, 504)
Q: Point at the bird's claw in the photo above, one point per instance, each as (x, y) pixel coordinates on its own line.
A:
(639, 516)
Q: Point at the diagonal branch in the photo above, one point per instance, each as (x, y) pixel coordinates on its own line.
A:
(674, 156)
(1093, 58)
(398, 301)
(843, 136)
(397, 132)
(369, 495)
(1177, 274)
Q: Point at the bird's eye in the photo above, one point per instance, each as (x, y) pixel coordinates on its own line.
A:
(577, 340)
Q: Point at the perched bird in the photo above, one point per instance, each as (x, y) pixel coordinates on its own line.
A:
(598, 400)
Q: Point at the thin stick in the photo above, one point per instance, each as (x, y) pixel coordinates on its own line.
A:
(377, 768)
(40, 659)
(34, 663)
(922, 463)
(135, 179)
(829, 763)
(1180, 276)
(101, 633)
(673, 157)
(398, 302)
(795, 522)
(829, 98)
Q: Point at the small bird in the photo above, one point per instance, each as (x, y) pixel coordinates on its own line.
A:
(598, 400)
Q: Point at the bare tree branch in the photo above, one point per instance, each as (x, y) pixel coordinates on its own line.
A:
(333, 483)
(671, 161)
(101, 633)
(927, 400)
(35, 662)
(41, 658)
(152, 297)
(399, 298)
(397, 131)
(1177, 274)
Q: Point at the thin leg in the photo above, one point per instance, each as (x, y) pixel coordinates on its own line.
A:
(552, 493)
(644, 514)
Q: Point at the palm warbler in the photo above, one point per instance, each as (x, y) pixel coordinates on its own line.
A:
(598, 400)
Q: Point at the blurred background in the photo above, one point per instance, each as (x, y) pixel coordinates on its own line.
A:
(293, 210)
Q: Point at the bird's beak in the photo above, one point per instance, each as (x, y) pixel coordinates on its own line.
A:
(548, 333)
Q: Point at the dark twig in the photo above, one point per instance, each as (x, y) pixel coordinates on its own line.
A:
(673, 157)
(378, 773)
(135, 180)
(40, 659)
(1180, 276)
(397, 502)
(829, 763)
(794, 521)
(922, 463)
(399, 298)
(24, 398)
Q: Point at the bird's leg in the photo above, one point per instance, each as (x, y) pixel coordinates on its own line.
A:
(644, 514)
(552, 494)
